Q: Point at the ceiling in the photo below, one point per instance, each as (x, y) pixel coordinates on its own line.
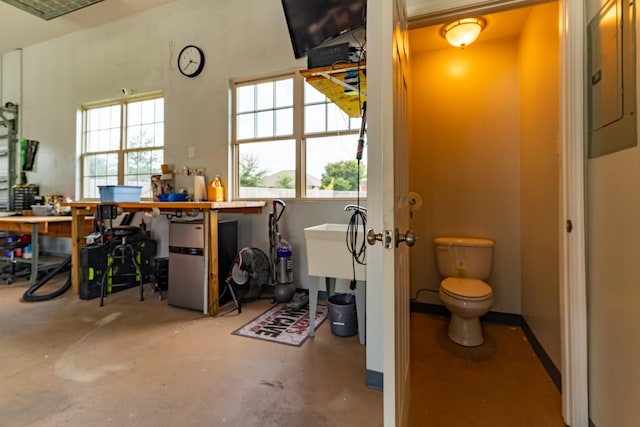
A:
(19, 29)
(499, 25)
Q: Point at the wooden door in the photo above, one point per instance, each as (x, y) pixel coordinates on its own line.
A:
(388, 207)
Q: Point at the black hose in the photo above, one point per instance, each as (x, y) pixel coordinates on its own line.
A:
(28, 295)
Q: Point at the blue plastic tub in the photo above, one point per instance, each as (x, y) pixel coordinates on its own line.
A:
(119, 193)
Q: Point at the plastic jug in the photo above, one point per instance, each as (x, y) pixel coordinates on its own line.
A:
(215, 190)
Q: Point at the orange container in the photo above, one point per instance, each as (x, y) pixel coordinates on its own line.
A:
(215, 190)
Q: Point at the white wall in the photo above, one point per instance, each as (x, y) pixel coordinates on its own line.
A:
(613, 250)
(10, 90)
(539, 176)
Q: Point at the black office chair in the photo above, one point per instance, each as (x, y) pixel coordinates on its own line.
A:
(12, 270)
(119, 251)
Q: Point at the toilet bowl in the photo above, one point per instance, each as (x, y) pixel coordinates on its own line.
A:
(465, 263)
(467, 300)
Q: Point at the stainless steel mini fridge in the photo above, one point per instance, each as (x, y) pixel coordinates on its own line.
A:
(187, 263)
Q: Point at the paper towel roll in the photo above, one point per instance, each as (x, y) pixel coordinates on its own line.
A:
(199, 188)
(153, 213)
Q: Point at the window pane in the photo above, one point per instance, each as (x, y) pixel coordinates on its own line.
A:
(284, 122)
(356, 123)
(264, 92)
(314, 118)
(313, 95)
(99, 169)
(267, 169)
(284, 93)
(336, 118)
(159, 133)
(245, 99)
(148, 112)
(265, 124)
(103, 129)
(143, 120)
(134, 116)
(140, 165)
(245, 126)
(332, 169)
(134, 136)
(159, 110)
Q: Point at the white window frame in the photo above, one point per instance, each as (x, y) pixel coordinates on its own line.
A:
(122, 151)
(298, 135)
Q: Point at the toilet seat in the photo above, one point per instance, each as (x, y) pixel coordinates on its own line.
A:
(468, 289)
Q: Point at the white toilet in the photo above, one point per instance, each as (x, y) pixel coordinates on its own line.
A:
(465, 262)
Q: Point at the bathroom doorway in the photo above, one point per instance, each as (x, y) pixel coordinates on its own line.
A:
(484, 158)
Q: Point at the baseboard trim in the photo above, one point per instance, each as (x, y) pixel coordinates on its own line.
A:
(504, 319)
(375, 380)
(547, 363)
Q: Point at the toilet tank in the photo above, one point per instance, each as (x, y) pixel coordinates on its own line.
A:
(464, 257)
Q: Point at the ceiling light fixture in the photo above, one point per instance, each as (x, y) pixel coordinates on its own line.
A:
(464, 31)
(47, 9)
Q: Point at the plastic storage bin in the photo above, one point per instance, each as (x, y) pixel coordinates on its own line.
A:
(119, 193)
(42, 210)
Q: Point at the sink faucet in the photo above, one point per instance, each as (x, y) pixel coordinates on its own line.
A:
(352, 207)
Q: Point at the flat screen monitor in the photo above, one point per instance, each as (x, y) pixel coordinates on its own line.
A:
(314, 22)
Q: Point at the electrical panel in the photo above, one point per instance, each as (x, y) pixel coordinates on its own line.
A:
(611, 81)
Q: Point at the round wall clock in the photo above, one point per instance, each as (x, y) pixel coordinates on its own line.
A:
(191, 61)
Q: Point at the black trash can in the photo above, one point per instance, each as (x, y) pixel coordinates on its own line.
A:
(342, 315)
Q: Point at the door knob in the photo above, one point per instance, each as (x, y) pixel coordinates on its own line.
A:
(409, 238)
(386, 238)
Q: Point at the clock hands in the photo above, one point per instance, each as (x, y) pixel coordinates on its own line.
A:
(191, 61)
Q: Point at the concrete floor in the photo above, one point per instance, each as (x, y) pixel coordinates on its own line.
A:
(68, 362)
(497, 384)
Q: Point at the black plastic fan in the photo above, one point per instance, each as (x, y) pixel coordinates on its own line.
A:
(250, 273)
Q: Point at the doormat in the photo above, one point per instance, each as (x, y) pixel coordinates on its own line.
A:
(283, 324)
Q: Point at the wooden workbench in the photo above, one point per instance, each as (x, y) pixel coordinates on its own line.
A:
(209, 211)
(36, 226)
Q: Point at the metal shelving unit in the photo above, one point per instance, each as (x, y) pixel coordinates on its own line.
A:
(8, 146)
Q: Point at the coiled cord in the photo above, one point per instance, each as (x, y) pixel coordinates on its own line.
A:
(357, 224)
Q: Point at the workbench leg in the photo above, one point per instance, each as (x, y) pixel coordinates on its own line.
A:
(35, 252)
(213, 281)
(77, 243)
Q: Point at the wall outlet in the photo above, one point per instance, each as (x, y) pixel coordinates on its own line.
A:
(191, 152)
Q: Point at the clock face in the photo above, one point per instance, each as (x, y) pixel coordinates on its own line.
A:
(191, 61)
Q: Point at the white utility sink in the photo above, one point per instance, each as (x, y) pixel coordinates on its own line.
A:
(328, 258)
(327, 253)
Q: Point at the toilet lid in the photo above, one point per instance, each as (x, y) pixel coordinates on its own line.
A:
(465, 288)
